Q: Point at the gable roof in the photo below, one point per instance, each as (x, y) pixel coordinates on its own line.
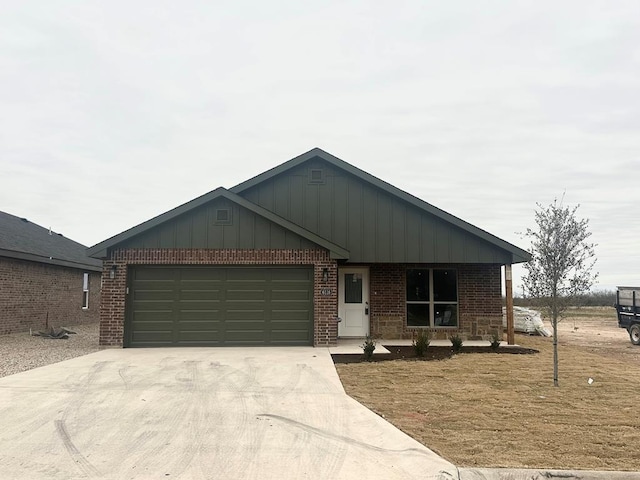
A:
(24, 240)
(518, 255)
(101, 249)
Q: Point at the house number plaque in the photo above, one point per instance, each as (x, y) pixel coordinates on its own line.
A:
(325, 291)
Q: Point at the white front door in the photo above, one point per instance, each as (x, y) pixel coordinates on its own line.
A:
(353, 302)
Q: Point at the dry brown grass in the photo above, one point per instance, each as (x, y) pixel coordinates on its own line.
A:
(491, 410)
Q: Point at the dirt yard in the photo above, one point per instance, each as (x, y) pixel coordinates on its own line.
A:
(489, 410)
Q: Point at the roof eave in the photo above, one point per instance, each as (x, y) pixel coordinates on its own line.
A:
(48, 260)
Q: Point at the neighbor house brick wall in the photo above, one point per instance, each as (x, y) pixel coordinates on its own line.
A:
(34, 295)
(479, 301)
(112, 314)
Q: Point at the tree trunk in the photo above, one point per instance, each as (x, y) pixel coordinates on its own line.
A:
(555, 352)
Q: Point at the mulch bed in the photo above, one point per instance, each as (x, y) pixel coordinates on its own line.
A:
(407, 352)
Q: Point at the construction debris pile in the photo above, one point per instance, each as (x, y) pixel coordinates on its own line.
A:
(57, 333)
(526, 320)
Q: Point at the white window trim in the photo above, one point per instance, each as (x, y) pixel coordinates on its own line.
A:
(85, 291)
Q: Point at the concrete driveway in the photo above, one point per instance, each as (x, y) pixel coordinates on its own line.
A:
(236, 413)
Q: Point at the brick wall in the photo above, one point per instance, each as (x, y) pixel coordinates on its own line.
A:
(112, 314)
(33, 294)
(388, 307)
(479, 301)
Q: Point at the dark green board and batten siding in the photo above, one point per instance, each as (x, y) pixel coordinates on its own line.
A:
(199, 228)
(219, 306)
(369, 222)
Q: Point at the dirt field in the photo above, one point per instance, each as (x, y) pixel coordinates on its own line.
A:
(596, 330)
(488, 410)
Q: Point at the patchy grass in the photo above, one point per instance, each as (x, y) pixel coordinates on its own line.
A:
(491, 410)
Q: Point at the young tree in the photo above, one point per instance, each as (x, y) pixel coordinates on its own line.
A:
(561, 265)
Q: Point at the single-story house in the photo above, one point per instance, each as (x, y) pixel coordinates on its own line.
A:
(45, 278)
(302, 254)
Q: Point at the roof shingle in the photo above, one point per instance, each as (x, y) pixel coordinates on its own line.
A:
(20, 238)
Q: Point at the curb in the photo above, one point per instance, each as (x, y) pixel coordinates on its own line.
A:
(541, 474)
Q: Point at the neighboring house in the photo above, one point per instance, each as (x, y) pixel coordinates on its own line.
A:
(45, 278)
(280, 258)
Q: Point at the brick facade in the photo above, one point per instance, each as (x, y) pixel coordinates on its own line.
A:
(479, 301)
(479, 291)
(34, 295)
(112, 314)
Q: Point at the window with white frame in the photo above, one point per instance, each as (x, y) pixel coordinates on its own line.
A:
(432, 297)
(85, 291)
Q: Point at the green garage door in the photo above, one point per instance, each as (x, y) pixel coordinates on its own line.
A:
(210, 306)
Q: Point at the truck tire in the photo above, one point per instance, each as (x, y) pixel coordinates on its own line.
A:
(634, 333)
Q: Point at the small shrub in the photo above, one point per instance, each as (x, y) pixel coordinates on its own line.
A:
(421, 342)
(456, 343)
(495, 341)
(368, 347)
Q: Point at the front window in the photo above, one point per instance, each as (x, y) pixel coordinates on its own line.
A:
(432, 297)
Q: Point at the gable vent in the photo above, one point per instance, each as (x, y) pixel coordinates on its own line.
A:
(316, 175)
(223, 216)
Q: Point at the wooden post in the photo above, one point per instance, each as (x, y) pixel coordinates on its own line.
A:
(508, 284)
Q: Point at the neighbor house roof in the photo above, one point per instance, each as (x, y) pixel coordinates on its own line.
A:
(100, 250)
(518, 254)
(24, 240)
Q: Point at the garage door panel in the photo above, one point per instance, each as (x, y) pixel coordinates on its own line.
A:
(245, 295)
(290, 316)
(220, 306)
(288, 309)
(291, 295)
(154, 295)
(201, 314)
(198, 306)
(152, 274)
(199, 339)
(195, 334)
(167, 286)
(204, 324)
(210, 295)
(281, 321)
(154, 316)
(284, 306)
(165, 337)
(238, 315)
(244, 336)
(155, 325)
(201, 274)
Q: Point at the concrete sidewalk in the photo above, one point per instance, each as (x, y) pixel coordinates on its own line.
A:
(198, 413)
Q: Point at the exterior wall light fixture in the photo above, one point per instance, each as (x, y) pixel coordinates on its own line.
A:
(112, 272)
(325, 275)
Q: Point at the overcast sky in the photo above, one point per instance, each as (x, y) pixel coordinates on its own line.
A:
(114, 112)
